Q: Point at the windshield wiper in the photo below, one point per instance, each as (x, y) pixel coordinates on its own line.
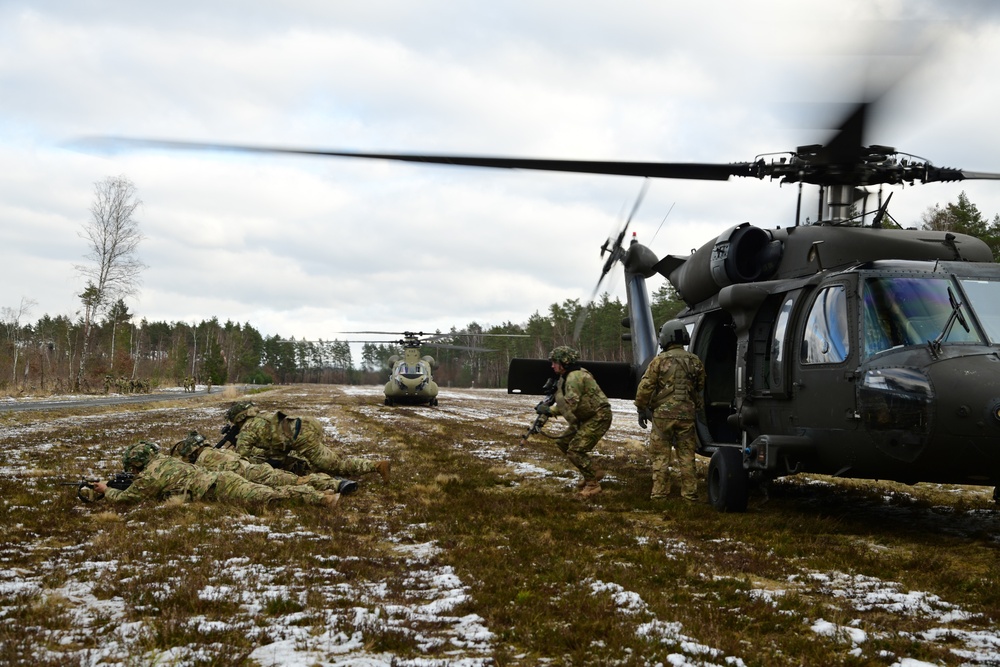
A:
(956, 314)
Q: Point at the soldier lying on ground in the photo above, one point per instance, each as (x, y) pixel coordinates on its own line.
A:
(195, 450)
(292, 443)
(158, 476)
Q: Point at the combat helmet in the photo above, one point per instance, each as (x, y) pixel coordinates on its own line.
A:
(186, 447)
(564, 355)
(241, 410)
(673, 332)
(137, 456)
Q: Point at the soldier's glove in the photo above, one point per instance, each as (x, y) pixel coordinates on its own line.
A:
(643, 418)
(543, 409)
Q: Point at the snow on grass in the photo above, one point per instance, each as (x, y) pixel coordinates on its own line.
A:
(424, 606)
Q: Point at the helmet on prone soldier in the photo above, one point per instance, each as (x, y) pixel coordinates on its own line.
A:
(185, 447)
(137, 456)
(241, 410)
(673, 332)
(564, 355)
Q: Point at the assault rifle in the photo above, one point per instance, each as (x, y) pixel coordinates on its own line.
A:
(229, 433)
(549, 389)
(120, 481)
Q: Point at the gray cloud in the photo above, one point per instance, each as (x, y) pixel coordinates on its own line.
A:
(307, 247)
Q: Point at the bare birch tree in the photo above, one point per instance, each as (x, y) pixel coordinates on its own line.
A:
(113, 235)
(12, 322)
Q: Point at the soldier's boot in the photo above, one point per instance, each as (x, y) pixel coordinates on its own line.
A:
(347, 487)
(331, 498)
(590, 489)
(598, 476)
(382, 468)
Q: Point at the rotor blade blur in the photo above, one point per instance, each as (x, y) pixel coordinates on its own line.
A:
(682, 170)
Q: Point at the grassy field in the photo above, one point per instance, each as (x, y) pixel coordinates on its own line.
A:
(477, 552)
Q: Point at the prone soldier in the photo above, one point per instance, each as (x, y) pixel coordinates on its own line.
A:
(292, 443)
(196, 451)
(158, 476)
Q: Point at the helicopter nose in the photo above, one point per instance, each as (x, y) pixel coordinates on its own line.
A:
(966, 429)
(968, 395)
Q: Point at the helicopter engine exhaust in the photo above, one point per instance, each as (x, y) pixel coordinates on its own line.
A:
(741, 254)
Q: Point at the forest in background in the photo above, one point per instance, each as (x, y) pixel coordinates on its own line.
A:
(44, 357)
(55, 354)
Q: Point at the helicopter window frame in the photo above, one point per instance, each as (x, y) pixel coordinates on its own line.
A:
(826, 337)
(777, 354)
(985, 307)
(906, 310)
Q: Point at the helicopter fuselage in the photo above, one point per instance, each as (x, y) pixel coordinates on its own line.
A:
(410, 380)
(823, 380)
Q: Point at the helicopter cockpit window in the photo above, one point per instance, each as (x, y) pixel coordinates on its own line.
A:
(825, 339)
(909, 311)
(984, 298)
(777, 355)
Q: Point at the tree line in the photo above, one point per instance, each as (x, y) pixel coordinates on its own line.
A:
(46, 355)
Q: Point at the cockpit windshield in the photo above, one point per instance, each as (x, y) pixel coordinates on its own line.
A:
(984, 297)
(912, 311)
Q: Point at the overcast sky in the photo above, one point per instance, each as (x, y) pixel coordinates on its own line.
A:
(311, 247)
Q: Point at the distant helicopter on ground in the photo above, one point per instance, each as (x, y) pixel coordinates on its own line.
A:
(410, 376)
(849, 346)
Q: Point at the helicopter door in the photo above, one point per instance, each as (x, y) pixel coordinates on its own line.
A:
(715, 344)
(823, 389)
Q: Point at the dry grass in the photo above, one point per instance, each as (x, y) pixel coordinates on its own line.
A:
(477, 552)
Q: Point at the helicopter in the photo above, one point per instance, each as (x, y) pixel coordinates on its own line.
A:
(849, 346)
(410, 376)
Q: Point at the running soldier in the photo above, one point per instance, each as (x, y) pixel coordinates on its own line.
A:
(580, 401)
(671, 393)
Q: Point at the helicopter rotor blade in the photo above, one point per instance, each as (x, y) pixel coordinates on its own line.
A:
(616, 252)
(680, 170)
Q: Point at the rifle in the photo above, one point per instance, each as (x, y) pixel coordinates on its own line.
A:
(229, 433)
(549, 389)
(120, 481)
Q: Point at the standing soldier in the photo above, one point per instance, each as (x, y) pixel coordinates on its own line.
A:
(580, 401)
(292, 443)
(158, 476)
(671, 393)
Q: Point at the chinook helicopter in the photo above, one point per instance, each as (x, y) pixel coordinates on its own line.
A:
(849, 346)
(410, 376)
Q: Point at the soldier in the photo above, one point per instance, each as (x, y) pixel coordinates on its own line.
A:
(159, 476)
(580, 401)
(671, 394)
(292, 443)
(194, 450)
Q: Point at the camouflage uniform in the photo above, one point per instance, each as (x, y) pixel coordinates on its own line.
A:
(218, 460)
(580, 401)
(672, 389)
(296, 444)
(165, 476)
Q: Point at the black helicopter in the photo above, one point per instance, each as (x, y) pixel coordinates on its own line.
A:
(850, 346)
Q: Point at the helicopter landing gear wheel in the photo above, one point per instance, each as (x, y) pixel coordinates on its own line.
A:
(727, 480)
(433, 402)
(388, 401)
